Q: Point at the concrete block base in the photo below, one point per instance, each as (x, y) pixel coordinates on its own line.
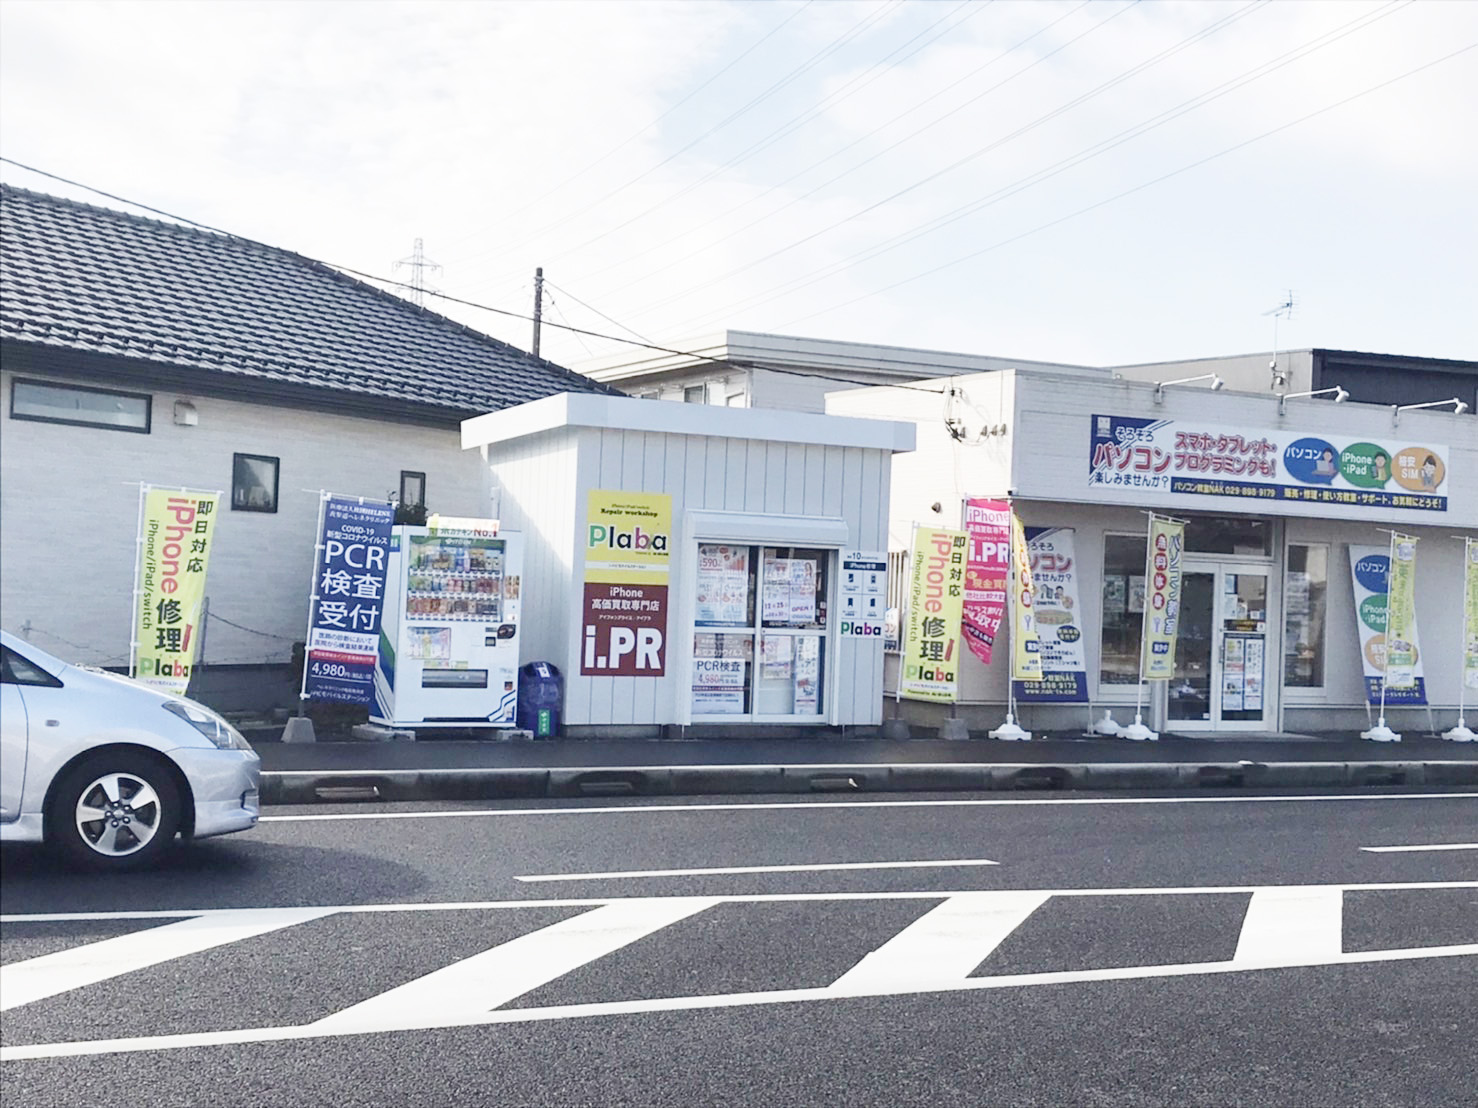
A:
(299, 729)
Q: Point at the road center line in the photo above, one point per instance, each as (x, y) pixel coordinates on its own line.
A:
(641, 809)
(812, 868)
(1411, 849)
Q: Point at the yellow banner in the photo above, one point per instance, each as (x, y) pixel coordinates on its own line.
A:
(175, 542)
(1400, 668)
(1470, 615)
(936, 600)
(1026, 647)
(1162, 598)
(628, 537)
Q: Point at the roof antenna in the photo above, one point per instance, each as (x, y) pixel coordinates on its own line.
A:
(418, 263)
(1282, 311)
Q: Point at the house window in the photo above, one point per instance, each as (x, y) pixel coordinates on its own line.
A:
(83, 407)
(253, 483)
(1305, 592)
(695, 394)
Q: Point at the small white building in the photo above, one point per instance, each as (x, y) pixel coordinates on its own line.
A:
(693, 566)
(1270, 636)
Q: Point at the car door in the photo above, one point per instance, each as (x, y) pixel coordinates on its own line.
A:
(13, 741)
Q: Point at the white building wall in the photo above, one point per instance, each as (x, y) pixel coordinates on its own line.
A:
(69, 506)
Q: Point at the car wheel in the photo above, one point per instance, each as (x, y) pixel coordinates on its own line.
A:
(115, 811)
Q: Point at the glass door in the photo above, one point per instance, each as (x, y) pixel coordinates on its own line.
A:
(1221, 657)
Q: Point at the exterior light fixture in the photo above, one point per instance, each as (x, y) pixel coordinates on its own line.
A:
(1160, 386)
(1340, 396)
(1458, 408)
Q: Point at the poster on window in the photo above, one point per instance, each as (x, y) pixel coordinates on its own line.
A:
(863, 593)
(346, 604)
(1369, 570)
(1058, 619)
(723, 584)
(718, 686)
(987, 573)
(176, 532)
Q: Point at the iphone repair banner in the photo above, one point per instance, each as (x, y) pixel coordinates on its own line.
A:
(628, 557)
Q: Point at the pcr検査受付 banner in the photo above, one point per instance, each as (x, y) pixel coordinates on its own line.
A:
(346, 606)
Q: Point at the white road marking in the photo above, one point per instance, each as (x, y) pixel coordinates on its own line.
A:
(81, 966)
(1291, 927)
(463, 990)
(739, 898)
(645, 809)
(698, 1003)
(943, 945)
(1430, 846)
(810, 868)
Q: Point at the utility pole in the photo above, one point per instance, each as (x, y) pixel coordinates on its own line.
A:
(418, 263)
(538, 306)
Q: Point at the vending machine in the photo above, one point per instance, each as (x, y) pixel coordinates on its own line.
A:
(449, 632)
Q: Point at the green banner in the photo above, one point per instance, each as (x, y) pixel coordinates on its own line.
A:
(1401, 614)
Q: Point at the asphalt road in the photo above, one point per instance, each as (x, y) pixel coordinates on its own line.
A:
(1215, 949)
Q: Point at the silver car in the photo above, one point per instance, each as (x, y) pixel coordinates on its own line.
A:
(108, 770)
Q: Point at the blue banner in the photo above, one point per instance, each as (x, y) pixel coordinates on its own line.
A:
(348, 600)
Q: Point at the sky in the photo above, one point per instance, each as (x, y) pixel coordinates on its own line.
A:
(1099, 183)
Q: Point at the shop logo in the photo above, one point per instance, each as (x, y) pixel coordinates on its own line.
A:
(1365, 465)
(1312, 461)
(614, 538)
(1371, 572)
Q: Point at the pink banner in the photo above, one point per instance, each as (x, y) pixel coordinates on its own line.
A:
(988, 523)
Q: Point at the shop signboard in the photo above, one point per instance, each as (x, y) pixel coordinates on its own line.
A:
(1026, 648)
(1058, 620)
(987, 573)
(864, 593)
(346, 606)
(1162, 598)
(1370, 571)
(628, 538)
(936, 593)
(176, 529)
(1134, 456)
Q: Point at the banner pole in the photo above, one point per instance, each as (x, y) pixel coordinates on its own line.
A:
(1011, 731)
(1380, 732)
(1137, 731)
(133, 609)
(323, 498)
(1462, 733)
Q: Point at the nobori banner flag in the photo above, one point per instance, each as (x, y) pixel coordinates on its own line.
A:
(1026, 648)
(987, 573)
(936, 595)
(1470, 614)
(1162, 598)
(1401, 614)
(1058, 620)
(1370, 568)
(176, 532)
(348, 600)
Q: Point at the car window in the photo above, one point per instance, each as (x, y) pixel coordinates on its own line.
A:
(15, 670)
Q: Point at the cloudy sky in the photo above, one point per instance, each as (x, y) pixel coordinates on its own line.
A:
(1103, 182)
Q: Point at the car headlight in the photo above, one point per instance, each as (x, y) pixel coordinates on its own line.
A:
(212, 726)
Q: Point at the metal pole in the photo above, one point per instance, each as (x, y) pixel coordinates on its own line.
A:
(538, 306)
(133, 609)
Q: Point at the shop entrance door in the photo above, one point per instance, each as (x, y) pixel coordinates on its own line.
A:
(1222, 656)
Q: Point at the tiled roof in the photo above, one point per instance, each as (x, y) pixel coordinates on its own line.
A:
(82, 278)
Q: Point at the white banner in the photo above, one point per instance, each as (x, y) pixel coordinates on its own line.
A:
(1059, 620)
(1369, 570)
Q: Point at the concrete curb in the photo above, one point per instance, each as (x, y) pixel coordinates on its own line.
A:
(329, 786)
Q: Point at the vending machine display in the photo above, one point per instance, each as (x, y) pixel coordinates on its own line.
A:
(449, 641)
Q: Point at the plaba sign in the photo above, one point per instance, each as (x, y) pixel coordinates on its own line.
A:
(628, 538)
(1163, 456)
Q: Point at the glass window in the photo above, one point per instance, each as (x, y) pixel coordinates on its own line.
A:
(759, 643)
(1305, 593)
(1123, 609)
(1229, 535)
(15, 670)
(253, 483)
(695, 394)
(73, 404)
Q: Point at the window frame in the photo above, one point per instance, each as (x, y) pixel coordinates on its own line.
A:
(236, 459)
(147, 398)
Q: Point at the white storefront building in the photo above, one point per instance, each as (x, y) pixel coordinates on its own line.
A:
(1276, 494)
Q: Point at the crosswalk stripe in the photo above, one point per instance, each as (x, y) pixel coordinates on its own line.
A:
(1291, 926)
(78, 967)
(944, 944)
(476, 985)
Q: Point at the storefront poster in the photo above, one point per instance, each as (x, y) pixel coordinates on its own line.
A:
(1026, 646)
(1401, 614)
(1136, 455)
(987, 573)
(176, 530)
(346, 607)
(864, 593)
(936, 593)
(1162, 598)
(628, 538)
(1470, 614)
(718, 686)
(1058, 620)
(1369, 570)
(723, 584)
(788, 591)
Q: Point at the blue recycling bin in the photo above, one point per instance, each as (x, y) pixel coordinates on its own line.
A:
(541, 696)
